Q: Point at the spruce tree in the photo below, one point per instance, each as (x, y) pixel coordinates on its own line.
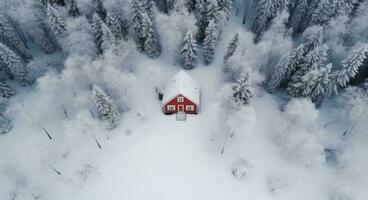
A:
(351, 65)
(285, 67)
(232, 47)
(151, 43)
(201, 18)
(99, 8)
(57, 24)
(106, 108)
(266, 11)
(210, 41)
(298, 14)
(137, 19)
(118, 27)
(299, 61)
(313, 84)
(107, 37)
(325, 10)
(97, 25)
(12, 62)
(5, 90)
(188, 52)
(9, 36)
(211, 11)
(73, 9)
(242, 90)
(364, 87)
(225, 7)
(5, 125)
(314, 60)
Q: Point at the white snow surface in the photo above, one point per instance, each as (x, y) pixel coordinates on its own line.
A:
(182, 84)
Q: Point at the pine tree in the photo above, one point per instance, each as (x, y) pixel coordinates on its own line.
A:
(266, 11)
(5, 90)
(107, 37)
(312, 84)
(57, 24)
(225, 7)
(9, 36)
(232, 47)
(99, 8)
(118, 28)
(201, 18)
(211, 11)
(12, 62)
(151, 44)
(5, 125)
(351, 65)
(314, 60)
(97, 25)
(137, 20)
(210, 41)
(299, 60)
(285, 67)
(298, 14)
(242, 90)
(189, 52)
(364, 87)
(170, 4)
(325, 10)
(106, 108)
(73, 9)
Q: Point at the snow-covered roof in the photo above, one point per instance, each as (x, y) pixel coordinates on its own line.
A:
(181, 84)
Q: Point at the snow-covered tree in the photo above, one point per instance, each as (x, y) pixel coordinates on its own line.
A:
(57, 24)
(52, 2)
(9, 36)
(298, 14)
(242, 90)
(315, 60)
(351, 65)
(324, 11)
(5, 125)
(118, 27)
(211, 11)
(210, 41)
(137, 19)
(364, 87)
(285, 67)
(5, 90)
(12, 62)
(188, 52)
(232, 47)
(266, 11)
(106, 108)
(73, 9)
(300, 60)
(312, 84)
(107, 37)
(225, 7)
(99, 8)
(103, 35)
(151, 43)
(201, 17)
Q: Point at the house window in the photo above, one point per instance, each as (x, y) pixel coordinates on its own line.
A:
(189, 108)
(180, 99)
(170, 107)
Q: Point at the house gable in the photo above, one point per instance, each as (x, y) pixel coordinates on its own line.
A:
(186, 105)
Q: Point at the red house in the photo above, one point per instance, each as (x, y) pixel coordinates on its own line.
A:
(181, 94)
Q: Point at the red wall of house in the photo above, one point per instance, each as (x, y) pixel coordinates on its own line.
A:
(176, 103)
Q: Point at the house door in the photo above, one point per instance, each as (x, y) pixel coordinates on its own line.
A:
(181, 108)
